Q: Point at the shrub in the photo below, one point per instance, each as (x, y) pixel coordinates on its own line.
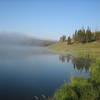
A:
(66, 93)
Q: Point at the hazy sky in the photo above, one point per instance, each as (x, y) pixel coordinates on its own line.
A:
(48, 18)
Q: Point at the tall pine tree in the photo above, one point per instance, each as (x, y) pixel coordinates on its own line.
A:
(88, 35)
(69, 40)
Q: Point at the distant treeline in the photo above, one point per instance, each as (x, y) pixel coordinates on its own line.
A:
(82, 36)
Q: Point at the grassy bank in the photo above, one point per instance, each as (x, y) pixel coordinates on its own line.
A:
(81, 88)
(91, 49)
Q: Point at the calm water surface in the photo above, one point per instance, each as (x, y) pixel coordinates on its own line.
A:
(27, 71)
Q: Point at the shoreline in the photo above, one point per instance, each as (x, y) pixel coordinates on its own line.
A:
(83, 86)
(91, 50)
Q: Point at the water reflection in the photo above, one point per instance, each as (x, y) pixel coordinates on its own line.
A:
(79, 63)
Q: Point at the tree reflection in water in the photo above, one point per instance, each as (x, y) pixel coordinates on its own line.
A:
(79, 63)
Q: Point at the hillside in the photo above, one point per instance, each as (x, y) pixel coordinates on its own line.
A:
(22, 39)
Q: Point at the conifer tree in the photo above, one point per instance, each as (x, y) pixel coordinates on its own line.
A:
(88, 35)
(69, 40)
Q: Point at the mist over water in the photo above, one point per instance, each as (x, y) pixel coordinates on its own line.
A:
(27, 71)
(7, 38)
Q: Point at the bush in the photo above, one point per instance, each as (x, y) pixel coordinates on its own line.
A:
(82, 88)
(95, 74)
(66, 93)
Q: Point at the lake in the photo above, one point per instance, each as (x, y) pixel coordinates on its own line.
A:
(27, 71)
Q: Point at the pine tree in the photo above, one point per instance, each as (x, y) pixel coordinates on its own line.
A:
(88, 35)
(75, 36)
(83, 36)
(97, 35)
(69, 40)
(63, 38)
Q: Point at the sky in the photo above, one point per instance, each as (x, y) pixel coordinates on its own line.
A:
(48, 19)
